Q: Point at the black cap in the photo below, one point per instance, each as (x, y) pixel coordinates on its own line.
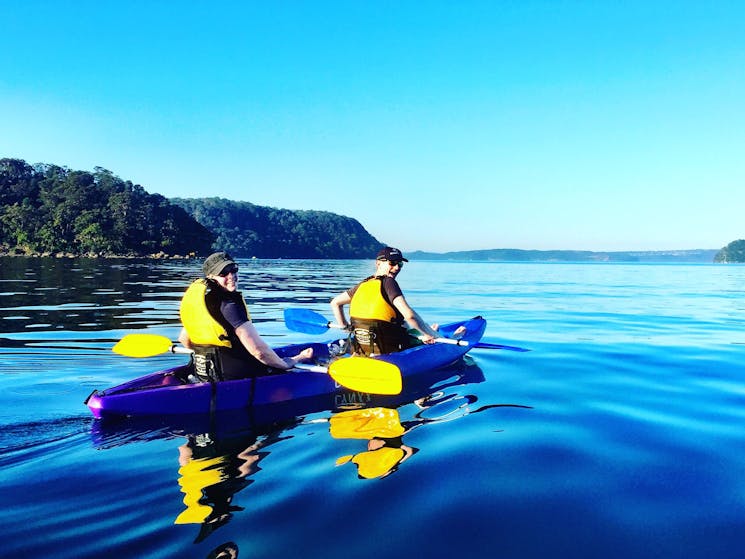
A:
(216, 263)
(390, 253)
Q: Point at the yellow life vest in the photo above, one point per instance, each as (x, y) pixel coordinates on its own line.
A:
(200, 325)
(368, 303)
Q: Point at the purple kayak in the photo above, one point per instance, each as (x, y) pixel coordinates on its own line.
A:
(168, 392)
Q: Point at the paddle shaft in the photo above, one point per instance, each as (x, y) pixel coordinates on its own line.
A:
(450, 341)
(160, 344)
(356, 373)
(438, 340)
(311, 322)
(304, 366)
(479, 345)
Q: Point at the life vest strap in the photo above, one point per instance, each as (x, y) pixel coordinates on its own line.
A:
(207, 365)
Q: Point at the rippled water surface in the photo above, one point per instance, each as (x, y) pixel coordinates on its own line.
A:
(620, 434)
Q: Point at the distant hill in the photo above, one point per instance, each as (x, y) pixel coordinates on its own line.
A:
(248, 230)
(518, 255)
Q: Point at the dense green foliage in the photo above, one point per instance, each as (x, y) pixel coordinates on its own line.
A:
(733, 252)
(48, 209)
(247, 230)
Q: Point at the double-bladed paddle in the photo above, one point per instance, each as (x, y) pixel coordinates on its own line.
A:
(311, 322)
(362, 374)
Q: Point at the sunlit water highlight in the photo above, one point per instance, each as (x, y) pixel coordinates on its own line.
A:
(618, 435)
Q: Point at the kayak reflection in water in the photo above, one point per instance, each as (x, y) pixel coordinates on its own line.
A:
(211, 472)
(217, 326)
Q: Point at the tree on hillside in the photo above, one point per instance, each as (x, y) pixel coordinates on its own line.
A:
(733, 252)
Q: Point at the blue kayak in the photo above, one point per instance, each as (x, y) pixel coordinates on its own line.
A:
(169, 392)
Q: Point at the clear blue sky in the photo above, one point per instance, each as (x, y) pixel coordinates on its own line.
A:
(438, 125)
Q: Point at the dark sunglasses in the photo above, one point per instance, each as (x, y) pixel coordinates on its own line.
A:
(228, 270)
(399, 263)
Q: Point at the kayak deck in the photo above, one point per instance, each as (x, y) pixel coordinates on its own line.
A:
(169, 391)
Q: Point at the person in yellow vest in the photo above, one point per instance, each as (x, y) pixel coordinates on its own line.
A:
(379, 312)
(217, 326)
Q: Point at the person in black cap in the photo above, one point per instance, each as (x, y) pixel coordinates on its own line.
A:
(378, 310)
(217, 326)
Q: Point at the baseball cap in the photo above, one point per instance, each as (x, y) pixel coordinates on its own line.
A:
(216, 263)
(390, 253)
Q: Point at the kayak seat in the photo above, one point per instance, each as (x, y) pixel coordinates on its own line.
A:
(171, 379)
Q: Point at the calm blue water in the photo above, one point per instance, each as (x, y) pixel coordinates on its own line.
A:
(619, 435)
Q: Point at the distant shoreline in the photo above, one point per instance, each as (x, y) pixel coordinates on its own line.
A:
(520, 255)
(493, 255)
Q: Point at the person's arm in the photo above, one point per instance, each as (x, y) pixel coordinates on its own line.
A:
(184, 340)
(256, 346)
(413, 319)
(337, 308)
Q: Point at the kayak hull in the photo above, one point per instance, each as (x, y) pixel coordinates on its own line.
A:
(167, 392)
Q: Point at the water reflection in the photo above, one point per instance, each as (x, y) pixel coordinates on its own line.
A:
(50, 294)
(212, 471)
(87, 294)
(227, 550)
(221, 455)
(384, 430)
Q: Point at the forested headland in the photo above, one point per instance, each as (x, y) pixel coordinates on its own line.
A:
(47, 209)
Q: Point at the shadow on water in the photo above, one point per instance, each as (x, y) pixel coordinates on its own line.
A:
(221, 454)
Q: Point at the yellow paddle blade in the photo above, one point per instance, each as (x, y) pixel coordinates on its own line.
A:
(343, 459)
(365, 374)
(142, 345)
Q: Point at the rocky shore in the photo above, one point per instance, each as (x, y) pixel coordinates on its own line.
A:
(156, 256)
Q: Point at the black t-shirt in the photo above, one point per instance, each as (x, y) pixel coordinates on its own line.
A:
(234, 311)
(228, 308)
